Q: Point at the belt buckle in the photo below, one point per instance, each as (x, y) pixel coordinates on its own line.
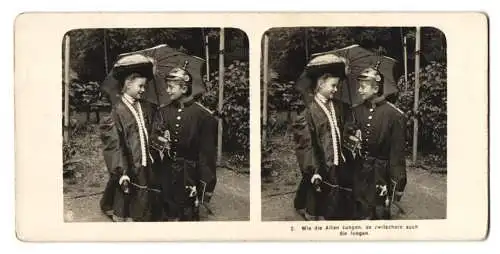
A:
(158, 146)
(173, 155)
(382, 190)
(363, 154)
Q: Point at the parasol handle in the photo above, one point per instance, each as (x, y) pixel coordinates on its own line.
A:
(157, 92)
(351, 105)
(379, 56)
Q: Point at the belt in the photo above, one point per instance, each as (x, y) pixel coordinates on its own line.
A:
(174, 156)
(368, 157)
(145, 187)
(336, 186)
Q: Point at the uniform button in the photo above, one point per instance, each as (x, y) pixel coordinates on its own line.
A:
(179, 110)
(371, 110)
(370, 117)
(176, 140)
(179, 118)
(177, 125)
(176, 132)
(368, 124)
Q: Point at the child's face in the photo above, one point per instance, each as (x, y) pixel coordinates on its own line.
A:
(176, 89)
(135, 87)
(328, 87)
(367, 89)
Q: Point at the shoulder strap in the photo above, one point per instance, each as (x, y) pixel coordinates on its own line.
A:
(205, 108)
(396, 108)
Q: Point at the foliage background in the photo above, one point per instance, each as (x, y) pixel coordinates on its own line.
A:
(236, 107)
(289, 49)
(94, 51)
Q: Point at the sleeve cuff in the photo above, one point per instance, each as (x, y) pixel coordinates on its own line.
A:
(123, 179)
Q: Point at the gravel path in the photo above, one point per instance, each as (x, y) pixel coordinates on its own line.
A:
(425, 198)
(229, 203)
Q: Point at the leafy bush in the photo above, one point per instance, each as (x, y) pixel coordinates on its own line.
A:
(69, 150)
(282, 97)
(236, 107)
(431, 112)
(81, 95)
(78, 145)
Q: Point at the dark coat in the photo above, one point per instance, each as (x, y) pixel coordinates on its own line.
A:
(383, 145)
(314, 152)
(191, 160)
(122, 154)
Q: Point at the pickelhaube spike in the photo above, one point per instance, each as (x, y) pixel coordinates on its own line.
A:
(185, 65)
(180, 73)
(372, 73)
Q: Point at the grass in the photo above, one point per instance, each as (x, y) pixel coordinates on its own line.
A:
(284, 172)
(90, 172)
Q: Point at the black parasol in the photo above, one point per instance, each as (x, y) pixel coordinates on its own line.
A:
(164, 58)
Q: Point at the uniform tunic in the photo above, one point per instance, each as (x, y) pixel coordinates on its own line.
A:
(123, 154)
(315, 154)
(191, 160)
(383, 162)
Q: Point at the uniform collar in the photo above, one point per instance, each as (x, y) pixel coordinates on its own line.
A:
(373, 103)
(184, 102)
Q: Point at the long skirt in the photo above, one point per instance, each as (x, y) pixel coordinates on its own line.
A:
(132, 206)
(333, 199)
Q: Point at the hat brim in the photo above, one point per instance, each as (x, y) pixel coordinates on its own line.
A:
(334, 69)
(365, 78)
(143, 69)
(307, 81)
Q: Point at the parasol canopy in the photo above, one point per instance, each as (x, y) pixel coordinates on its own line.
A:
(163, 59)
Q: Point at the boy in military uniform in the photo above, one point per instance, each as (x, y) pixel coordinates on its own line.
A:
(317, 134)
(186, 164)
(125, 139)
(381, 178)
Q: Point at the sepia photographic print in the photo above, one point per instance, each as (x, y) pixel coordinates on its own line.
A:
(147, 134)
(345, 137)
(251, 126)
